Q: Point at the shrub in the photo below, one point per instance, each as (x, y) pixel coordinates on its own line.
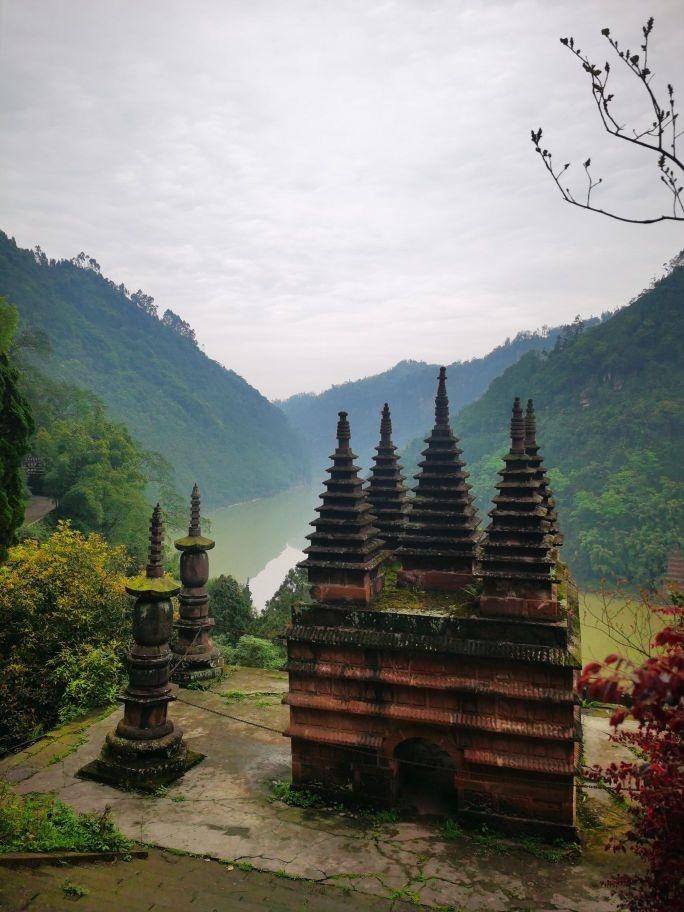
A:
(57, 599)
(257, 653)
(91, 675)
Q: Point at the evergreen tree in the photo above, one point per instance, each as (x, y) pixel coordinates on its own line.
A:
(231, 607)
(16, 427)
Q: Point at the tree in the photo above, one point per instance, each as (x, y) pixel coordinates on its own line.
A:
(231, 607)
(277, 613)
(652, 695)
(179, 325)
(59, 601)
(16, 428)
(659, 136)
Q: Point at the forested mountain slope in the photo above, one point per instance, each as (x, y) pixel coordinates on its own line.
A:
(610, 418)
(409, 387)
(211, 425)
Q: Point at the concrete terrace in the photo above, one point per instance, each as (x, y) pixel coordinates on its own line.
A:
(224, 809)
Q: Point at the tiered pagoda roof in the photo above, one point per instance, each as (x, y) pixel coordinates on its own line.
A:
(438, 546)
(346, 551)
(516, 561)
(386, 491)
(537, 462)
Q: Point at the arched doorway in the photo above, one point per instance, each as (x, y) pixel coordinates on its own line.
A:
(425, 778)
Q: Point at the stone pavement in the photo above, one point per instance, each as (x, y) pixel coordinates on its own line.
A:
(223, 808)
(170, 883)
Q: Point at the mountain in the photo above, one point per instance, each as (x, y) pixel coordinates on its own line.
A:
(409, 387)
(210, 424)
(610, 418)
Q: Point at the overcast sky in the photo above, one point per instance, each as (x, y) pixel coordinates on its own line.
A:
(325, 187)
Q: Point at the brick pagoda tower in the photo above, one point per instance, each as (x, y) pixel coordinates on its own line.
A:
(146, 750)
(196, 657)
(424, 699)
(516, 553)
(437, 550)
(386, 491)
(346, 553)
(537, 463)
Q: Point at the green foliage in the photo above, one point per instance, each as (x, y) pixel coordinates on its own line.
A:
(69, 888)
(230, 604)
(610, 418)
(41, 823)
(91, 676)
(277, 613)
(16, 427)
(213, 426)
(63, 609)
(257, 653)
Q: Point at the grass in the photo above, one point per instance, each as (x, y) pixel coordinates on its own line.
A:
(235, 696)
(40, 822)
(69, 888)
(554, 852)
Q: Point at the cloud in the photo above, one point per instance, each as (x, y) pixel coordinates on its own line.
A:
(323, 189)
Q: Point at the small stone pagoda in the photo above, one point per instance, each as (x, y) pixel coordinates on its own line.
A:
(386, 492)
(516, 553)
(146, 749)
(346, 553)
(195, 656)
(437, 549)
(434, 698)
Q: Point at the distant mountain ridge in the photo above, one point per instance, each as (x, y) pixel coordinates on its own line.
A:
(409, 387)
(212, 426)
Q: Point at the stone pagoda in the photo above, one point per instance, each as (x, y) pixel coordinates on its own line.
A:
(437, 550)
(516, 553)
(196, 657)
(386, 491)
(537, 463)
(146, 750)
(434, 699)
(346, 553)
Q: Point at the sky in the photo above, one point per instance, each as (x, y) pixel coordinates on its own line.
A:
(325, 187)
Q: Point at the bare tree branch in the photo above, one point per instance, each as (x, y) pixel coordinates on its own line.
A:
(659, 137)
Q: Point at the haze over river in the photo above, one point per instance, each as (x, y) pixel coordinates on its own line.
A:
(261, 540)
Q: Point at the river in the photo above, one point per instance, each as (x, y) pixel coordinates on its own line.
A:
(261, 540)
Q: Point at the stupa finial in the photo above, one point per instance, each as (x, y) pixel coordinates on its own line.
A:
(343, 432)
(195, 529)
(517, 428)
(385, 426)
(530, 425)
(155, 568)
(442, 401)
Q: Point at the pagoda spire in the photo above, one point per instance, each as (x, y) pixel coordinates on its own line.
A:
(197, 658)
(537, 462)
(516, 563)
(146, 749)
(437, 550)
(346, 553)
(386, 491)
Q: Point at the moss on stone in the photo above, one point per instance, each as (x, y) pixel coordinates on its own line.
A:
(194, 543)
(163, 587)
(414, 600)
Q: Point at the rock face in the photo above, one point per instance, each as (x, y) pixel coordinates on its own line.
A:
(437, 549)
(386, 492)
(441, 699)
(146, 749)
(346, 552)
